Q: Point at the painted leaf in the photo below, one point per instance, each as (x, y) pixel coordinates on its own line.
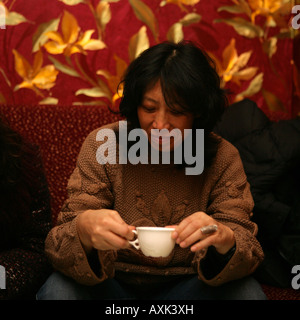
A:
(138, 43)
(103, 13)
(145, 14)
(63, 68)
(189, 2)
(14, 18)
(106, 74)
(39, 38)
(89, 103)
(254, 87)
(49, 100)
(93, 44)
(270, 46)
(5, 77)
(243, 59)
(243, 27)
(246, 74)
(175, 33)
(180, 3)
(92, 92)
(273, 102)
(231, 9)
(72, 2)
(190, 18)
(242, 6)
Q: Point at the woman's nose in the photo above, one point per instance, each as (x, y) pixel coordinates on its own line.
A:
(161, 121)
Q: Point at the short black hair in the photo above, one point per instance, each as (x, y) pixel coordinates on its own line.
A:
(188, 79)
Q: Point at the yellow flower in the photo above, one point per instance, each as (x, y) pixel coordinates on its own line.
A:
(71, 40)
(34, 77)
(232, 67)
(273, 10)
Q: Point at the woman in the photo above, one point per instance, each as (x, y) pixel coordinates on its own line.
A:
(169, 86)
(25, 217)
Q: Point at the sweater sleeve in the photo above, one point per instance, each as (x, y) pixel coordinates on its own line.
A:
(231, 203)
(88, 188)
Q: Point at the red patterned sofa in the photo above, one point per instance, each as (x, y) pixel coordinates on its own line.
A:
(60, 132)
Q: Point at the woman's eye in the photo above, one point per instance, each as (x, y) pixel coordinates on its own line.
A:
(148, 109)
(176, 113)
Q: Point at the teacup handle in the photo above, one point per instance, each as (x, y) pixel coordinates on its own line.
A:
(135, 242)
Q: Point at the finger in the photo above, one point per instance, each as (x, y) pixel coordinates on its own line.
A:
(130, 235)
(115, 242)
(190, 230)
(197, 219)
(191, 238)
(174, 234)
(122, 230)
(182, 225)
(204, 244)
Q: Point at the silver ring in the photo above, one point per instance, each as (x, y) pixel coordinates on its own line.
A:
(209, 229)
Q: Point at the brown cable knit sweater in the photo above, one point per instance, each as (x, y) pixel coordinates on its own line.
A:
(154, 195)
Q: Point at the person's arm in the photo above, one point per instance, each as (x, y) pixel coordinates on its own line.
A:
(231, 205)
(75, 245)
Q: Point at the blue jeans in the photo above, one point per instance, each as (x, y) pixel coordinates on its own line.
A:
(60, 287)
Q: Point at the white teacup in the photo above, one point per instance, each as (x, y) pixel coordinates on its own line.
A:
(154, 241)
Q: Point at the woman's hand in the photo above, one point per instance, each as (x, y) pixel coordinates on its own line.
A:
(188, 233)
(103, 230)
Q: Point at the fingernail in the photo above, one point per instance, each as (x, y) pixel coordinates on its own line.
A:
(183, 244)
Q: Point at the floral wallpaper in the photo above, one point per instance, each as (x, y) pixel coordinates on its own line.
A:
(74, 52)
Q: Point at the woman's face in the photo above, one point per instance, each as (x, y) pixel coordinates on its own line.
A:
(154, 113)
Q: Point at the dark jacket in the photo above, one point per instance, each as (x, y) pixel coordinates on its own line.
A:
(270, 152)
(25, 220)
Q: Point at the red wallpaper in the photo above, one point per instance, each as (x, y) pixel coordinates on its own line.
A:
(73, 52)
